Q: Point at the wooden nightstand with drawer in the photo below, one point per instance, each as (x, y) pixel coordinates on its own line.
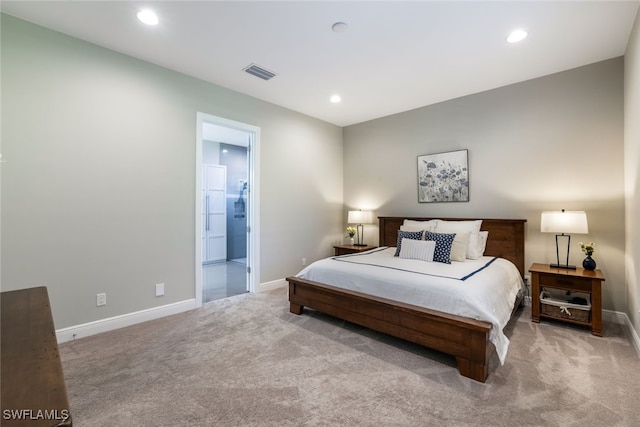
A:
(350, 249)
(580, 281)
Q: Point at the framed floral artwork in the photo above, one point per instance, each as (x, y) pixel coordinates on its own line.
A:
(443, 177)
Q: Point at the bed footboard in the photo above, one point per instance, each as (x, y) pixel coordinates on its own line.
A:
(465, 339)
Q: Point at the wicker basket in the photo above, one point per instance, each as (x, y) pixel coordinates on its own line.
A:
(555, 303)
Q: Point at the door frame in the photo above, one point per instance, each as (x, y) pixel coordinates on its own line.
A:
(253, 197)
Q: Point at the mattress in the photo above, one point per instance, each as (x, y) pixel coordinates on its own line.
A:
(484, 289)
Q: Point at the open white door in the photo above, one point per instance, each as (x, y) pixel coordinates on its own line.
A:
(210, 225)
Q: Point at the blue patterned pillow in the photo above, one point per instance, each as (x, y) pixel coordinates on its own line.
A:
(413, 235)
(443, 246)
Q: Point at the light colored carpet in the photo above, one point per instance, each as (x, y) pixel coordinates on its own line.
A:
(246, 361)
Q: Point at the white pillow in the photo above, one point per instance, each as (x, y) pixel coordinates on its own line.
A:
(418, 249)
(410, 228)
(422, 225)
(473, 227)
(460, 245)
(477, 244)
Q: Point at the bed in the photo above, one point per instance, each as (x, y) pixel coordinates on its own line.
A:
(465, 338)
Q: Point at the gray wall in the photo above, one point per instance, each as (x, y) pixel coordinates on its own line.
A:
(632, 171)
(546, 144)
(98, 183)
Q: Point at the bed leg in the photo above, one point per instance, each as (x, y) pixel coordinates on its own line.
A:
(295, 308)
(473, 370)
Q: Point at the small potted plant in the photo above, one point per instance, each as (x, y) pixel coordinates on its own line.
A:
(351, 231)
(588, 263)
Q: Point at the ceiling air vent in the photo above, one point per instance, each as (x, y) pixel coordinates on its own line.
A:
(259, 72)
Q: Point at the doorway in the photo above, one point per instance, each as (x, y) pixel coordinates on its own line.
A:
(226, 208)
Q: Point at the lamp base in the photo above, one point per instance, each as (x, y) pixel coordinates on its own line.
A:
(359, 244)
(566, 267)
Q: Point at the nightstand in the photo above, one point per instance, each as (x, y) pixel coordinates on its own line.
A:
(350, 249)
(579, 280)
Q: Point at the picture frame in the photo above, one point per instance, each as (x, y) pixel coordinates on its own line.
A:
(443, 177)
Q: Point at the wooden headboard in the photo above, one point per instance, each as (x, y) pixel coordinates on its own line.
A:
(506, 236)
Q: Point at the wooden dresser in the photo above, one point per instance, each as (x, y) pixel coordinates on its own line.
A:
(33, 389)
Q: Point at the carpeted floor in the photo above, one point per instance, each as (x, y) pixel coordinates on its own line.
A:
(246, 361)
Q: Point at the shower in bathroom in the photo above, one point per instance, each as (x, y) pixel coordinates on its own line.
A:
(239, 205)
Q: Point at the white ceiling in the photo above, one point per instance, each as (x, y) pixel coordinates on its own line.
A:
(395, 56)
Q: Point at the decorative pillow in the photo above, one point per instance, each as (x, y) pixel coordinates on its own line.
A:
(444, 242)
(413, 235)
(472, 226)
(422, 225)
(460, 245)
(418, 249)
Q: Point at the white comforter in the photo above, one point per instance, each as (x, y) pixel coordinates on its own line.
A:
(483, 289)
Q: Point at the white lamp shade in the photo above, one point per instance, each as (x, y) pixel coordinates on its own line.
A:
(360, 217)
(569, 222)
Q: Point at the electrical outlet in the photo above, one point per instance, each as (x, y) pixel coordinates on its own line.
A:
(304, 261)
(159, 289)
(101, 299)
(527, 280)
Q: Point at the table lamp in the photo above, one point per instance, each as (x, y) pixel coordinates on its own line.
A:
(564, 223)
(360, 217)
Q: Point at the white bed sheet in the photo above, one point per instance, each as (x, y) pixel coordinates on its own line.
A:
(487, 295)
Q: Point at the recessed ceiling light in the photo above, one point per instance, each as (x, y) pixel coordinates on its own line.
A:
(339, 27)
(335, 99)
(517, 36)
(148, 17)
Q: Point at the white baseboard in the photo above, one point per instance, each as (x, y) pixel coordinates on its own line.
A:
(116, 322)
(635, 339)
(274, 284)
(623, 319)
(614, 317)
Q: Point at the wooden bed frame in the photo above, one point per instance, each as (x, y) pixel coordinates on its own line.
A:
(464, 338)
